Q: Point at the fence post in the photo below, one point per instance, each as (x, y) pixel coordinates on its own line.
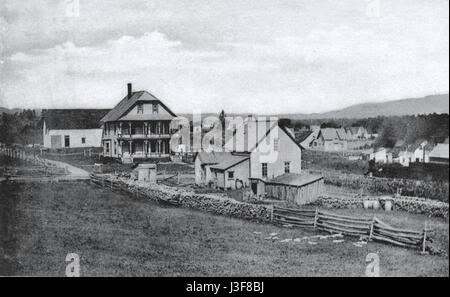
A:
(316, 217)
(371, 229)
(178, 178)
(271, 213)
(424, 243)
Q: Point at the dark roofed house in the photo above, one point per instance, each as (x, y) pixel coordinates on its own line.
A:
(138, 127)
(72, 128)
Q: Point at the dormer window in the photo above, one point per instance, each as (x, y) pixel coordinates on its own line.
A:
(155, 108)
(140, 108)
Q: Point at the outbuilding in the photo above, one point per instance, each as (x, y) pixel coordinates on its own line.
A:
(298, 189)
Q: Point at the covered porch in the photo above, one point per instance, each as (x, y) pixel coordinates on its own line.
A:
(145, 148)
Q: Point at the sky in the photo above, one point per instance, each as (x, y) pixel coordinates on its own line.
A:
(265, 56)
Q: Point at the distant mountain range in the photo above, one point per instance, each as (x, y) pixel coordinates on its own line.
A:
(425, 105)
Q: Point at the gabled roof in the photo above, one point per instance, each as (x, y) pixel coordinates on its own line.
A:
(399, 143)
(417, 144)
(126, 104)
(342, 134)
(329, 133)
(67, 119)
(354, 130)
(301, 136)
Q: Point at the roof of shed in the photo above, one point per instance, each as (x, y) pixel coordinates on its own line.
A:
(296, 180)
(210, 158)
(67, 119)
(230, 161)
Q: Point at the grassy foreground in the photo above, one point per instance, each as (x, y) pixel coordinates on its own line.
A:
(118, 235)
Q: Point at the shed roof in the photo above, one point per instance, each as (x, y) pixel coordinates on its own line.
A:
(294, 179)
(67, 119)
(230, 161)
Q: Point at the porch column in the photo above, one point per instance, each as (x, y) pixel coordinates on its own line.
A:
(120, 127)
(158, 148)
(131, 146)
(145, 147)
(119, 151)
(145, 128)
(129, 128)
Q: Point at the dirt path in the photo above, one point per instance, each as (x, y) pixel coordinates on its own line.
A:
(73, 172)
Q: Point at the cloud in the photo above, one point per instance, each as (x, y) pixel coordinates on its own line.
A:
(273, 57)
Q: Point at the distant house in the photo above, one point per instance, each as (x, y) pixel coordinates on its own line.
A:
(329, 139)
(440, 153)
(138, 127)
(419, 151)
(405, 157)
(246, 157)
(72, 128)
(358, 132)
(381, 155)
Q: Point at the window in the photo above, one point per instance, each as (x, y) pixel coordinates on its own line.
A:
(230, 174)
(140, 108)
(155, 108)
(66, 141)
(287, 167)
(83, 140)
(276, 145)
(264, 169)
(107, 148)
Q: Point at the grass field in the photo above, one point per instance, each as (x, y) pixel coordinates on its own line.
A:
(117, 235)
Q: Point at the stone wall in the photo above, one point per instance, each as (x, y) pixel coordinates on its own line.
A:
(206, 202)
(431, 208)
(427, 189)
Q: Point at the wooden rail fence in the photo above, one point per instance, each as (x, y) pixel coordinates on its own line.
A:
(373, 228)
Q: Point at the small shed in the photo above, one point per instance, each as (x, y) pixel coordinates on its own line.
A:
(146, 172)
(299, 189)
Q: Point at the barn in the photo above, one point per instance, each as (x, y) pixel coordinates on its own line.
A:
(72, 128)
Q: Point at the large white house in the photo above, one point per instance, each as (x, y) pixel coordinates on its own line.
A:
(256, 150)
(72, 128)
(138, 127)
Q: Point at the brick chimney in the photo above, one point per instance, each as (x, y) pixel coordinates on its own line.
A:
(130, 90)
